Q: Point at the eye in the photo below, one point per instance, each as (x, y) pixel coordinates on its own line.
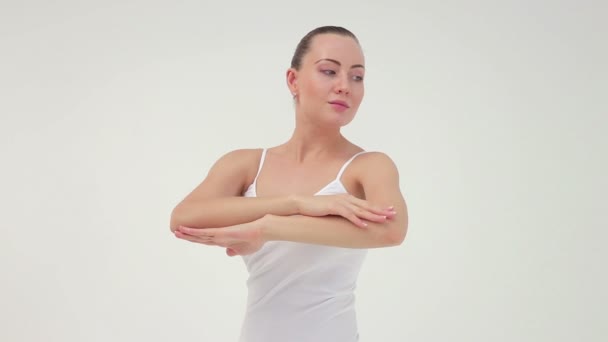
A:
(328, 72)
(358, 78)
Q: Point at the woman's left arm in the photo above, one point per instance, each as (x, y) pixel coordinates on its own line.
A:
(379, 178)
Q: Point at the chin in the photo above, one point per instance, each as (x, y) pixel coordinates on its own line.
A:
(340, 120)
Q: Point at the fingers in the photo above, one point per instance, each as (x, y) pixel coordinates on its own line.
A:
(211, 237)
(358, 211)
(208, 236)
(375, 209)
(357, 221)
(367, 215)
(197, 232)
(348, 214)
(197, 239)
(205, 236)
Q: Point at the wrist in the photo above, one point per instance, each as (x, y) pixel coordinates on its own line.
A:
(266, 226)
(294, 204)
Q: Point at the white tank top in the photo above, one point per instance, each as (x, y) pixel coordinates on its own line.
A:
(301, 292)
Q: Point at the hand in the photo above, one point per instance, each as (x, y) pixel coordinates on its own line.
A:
(239, 239)
(348, 206)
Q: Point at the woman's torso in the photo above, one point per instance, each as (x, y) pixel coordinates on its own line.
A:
(301, 292)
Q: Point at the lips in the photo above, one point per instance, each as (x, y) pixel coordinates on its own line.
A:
(339, 103)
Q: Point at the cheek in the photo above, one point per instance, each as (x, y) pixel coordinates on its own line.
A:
(359, 89)
(315, 89)
(357, 92)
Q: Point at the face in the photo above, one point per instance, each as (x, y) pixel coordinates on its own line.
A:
(329, 85)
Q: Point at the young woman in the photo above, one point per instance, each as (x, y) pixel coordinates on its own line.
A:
(303, 214)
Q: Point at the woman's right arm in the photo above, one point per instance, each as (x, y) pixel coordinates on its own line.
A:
(218, 202)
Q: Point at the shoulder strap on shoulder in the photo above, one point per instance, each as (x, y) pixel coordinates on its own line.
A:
(348, 162)
(262, 158)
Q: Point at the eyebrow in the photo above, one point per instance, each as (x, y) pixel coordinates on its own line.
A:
(335, 61)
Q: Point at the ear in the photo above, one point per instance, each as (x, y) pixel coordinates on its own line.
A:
(292, 80)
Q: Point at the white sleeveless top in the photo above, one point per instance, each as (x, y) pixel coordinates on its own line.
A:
(301, 292)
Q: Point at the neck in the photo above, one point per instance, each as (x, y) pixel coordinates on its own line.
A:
(309, 141)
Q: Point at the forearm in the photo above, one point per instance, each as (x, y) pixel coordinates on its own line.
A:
(331, 231)
(228, 211)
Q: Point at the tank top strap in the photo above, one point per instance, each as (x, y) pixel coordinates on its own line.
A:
(348, 162)
(262, 158)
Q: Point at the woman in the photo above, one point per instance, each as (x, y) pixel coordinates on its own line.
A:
(303, 214)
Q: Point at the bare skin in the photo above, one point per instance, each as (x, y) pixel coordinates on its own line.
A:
(372, 214)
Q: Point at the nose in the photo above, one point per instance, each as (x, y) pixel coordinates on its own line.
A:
(342, 86)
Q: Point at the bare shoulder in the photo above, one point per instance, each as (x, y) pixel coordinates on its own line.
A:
(376, 163)
(375, 170)
(242, 153)
(229, 175)
(243, 161)
(240, 157)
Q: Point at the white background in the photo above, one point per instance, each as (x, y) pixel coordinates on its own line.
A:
(495, 113)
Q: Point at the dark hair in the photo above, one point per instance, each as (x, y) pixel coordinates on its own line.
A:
(304, 45)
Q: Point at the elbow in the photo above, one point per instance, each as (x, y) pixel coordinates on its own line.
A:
(394, 239)
(395, 235)
(188, 216)
(175, 220)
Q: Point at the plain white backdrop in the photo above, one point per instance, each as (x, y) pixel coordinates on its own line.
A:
(495, 113)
